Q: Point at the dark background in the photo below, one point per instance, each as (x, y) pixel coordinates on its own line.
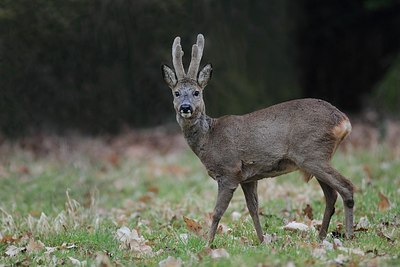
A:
(94, 66)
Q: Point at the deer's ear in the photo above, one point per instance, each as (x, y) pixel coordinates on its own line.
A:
(204, 75)
(169, 76)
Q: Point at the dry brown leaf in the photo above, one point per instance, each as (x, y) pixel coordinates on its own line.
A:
(308, 211)
(368, 171)
(384, 204)
(170, 262)
(113, 159)
(192, 225)
(8, 239)
(145, 198)
(24, 170)
(223, 229)
(34, 246)
(153, 189)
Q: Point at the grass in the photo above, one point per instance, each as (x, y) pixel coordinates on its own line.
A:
(66, 210)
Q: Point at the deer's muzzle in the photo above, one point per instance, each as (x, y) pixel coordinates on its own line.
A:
(185, 110)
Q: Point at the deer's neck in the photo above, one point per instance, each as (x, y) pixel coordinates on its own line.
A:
(196, 132)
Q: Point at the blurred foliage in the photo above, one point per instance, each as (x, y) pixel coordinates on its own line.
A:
(387, 94)
(94, 65)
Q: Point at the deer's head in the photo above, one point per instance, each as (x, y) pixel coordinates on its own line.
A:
(187, 88)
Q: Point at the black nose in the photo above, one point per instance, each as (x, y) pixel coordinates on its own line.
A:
(185, 108)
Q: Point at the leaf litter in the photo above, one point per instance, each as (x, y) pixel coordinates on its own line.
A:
(75, 216)
(130, 239)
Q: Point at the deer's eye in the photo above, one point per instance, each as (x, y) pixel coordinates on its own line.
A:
(196, 93)
(177, 93)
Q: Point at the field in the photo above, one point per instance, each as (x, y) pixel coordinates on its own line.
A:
(143, 198)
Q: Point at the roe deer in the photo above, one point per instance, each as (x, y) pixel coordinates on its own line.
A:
(300, 135)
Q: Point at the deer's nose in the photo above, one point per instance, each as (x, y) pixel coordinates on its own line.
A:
(185, 108)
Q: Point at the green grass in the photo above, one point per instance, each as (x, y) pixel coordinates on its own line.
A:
(76, 205)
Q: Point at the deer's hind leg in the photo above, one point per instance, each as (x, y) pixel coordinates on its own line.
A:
(326, 174)
(330, 200)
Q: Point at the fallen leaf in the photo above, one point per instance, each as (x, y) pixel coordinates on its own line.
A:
(296, 226)
(130, 239)
(123, 234)
(368, 171)
(223, 229)
(218, 253)
(244, 240)
(192, 225)
(384, 204)
(12, 250)
(66, 246)
(153, 189)
(339, 232)
(363, 223)
(308, 211)
(145, 198)
(24, 170)
(170, 262)
(385, 236)
(50, 250)
(34, 246)
(316, 224)
(9, 239)
(113, 159)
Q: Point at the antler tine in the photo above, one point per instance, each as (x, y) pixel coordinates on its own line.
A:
(197, 53)
(177, 54)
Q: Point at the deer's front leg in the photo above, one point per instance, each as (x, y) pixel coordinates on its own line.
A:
(225, 193)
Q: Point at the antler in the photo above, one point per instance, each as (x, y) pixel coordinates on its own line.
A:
(197, 53)
(177, 54)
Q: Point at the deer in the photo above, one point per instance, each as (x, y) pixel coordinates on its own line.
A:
(239, 150)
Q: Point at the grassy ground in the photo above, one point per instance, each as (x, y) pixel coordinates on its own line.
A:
(70, 207)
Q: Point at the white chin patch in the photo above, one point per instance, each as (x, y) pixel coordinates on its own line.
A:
(186, 115)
